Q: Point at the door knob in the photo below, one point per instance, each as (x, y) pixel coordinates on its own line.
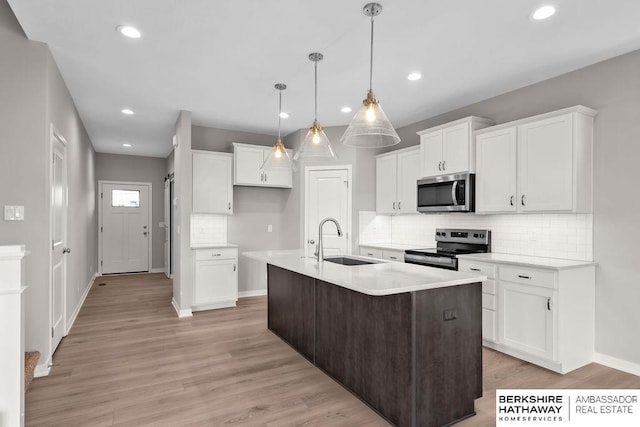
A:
(66, 250)
(311, 242)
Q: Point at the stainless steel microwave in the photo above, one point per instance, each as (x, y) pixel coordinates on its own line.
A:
(447, 193)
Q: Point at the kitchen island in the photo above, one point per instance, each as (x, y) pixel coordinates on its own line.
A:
(405, 339)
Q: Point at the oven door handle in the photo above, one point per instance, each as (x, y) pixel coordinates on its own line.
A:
(454, 189)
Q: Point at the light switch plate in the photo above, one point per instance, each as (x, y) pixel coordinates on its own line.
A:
(13, 213)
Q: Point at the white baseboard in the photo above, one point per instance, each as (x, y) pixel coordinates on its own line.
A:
(615, 363)
(80, 303)
(157, 270)
(256, 293)
(42, 369)
(181, 313)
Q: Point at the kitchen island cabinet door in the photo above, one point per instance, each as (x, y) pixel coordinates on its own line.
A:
(291, 308)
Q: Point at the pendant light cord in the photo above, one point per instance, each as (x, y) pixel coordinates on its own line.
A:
(315, 96)
(371, 59)
(279, 113)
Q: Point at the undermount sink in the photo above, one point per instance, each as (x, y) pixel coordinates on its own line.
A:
(349, 261)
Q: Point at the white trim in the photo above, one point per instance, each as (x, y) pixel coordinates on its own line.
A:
(304, 236)
(214, 305)
(157, 270)
(80, 304)
(150, 222)
(42, 370)
(255, 293)
(181, 313)
(615, 363)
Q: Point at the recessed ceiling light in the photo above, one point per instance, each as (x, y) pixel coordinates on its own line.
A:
(544, 12)
(414, 76)
(129, 31)
(284, 115)
(127, 111)
(346, 109)
(126, 145)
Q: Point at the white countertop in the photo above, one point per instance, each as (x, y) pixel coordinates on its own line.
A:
(212, 245)
(527, 261)
(397, 246)
(382, 278)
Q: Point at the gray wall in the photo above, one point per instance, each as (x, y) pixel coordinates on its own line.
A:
(33, 97)
(114, 167)
(613, 88)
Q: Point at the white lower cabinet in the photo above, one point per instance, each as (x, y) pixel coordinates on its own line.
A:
(215, 278)
(542, 315)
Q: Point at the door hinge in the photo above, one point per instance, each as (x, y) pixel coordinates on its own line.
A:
(51, 332)
(101, 195)
(101, 229)
(100, 263)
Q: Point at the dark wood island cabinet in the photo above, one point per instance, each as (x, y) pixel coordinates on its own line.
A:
(414, 357)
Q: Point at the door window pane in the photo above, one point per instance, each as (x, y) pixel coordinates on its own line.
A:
(125, 198)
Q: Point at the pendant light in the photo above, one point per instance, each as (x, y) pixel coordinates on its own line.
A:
(278, 158)
(316, 145)
(370, 127)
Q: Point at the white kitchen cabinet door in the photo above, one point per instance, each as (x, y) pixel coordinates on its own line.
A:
(386, 184)
(431, 154)
(455, 149)
(277, 178)
(545, 165)
(216, 283)
(212, 182)
(248, 161)
(525, 318)
(408, 173)
(496, 169)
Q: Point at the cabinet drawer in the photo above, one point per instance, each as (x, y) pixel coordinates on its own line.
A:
(489, 301)
(528, 276)
(468, 266)
(219, 253)
(372, 252)
(393, 255)
(489, 287)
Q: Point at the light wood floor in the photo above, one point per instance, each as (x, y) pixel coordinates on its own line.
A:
(130, 361)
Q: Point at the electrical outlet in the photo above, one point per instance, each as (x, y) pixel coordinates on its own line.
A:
(450, 314)
(13, 213)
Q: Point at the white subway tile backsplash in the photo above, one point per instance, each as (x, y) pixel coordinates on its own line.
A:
(208, 229)
(567, 236)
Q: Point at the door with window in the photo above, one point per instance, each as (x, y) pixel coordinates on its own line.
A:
(125, 227)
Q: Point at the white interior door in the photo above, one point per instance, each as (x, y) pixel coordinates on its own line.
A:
(125, 228)
(327, 196)
(59, 206)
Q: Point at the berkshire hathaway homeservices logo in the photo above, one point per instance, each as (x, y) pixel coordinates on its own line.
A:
(563, 407)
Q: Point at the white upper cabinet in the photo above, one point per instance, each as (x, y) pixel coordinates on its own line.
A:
(397, 174)
(212, 182)
(248, 159)
(448, 149)
(539, 164)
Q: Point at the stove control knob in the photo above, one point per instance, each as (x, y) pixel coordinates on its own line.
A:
(475, 235)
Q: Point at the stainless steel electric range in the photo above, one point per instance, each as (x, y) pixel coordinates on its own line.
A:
(449, 244)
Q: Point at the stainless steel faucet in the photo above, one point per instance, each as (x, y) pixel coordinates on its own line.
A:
(319, 248)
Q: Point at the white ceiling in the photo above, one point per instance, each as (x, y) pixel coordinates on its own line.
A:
(220, 59)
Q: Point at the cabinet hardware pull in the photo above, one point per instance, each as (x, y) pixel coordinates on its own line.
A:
(311, 242)
(444, 165)
(549, 304)
(474, 269)
(265, 177)
(369, 254)
(229, 205)
(524, 277)
(392, 257)
(217, 254)
(439, 166)
(522, 200)
(394, 206)
(234, 267)
(399, 205)
(511, 200)
(261, 176)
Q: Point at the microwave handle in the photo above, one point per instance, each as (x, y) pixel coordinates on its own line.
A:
(454, 187)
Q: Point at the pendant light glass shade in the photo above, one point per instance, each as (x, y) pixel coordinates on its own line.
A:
(370, 127)
(278, 158)
(316, 146)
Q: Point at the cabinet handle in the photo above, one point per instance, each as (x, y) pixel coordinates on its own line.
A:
(229, 205)
(524, 277)
(393, 257)
(399, 205)
(261, 176)
(522, 200)
(549, 304)
(265, 177)
(474, 269)
(217, 254)
(511, 200)
(394, 206)
(439, 166)
(234, 267)
(368, 254)
(444, 165)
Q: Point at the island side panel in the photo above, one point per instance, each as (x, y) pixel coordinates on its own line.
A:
(364, 342)
(290, 304)
(448, 353)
